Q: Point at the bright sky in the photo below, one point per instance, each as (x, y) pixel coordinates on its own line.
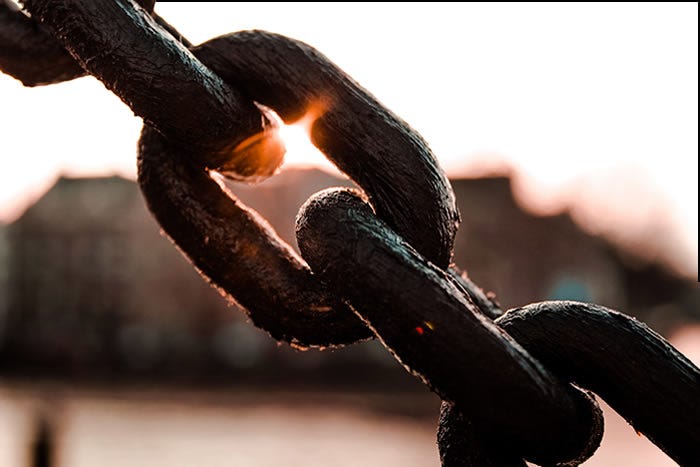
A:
(594, 106)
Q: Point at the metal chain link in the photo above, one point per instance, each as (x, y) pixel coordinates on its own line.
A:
(375, 263)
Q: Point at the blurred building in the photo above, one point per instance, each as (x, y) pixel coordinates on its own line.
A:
(92, 288)
(91, 281)
(525, 258)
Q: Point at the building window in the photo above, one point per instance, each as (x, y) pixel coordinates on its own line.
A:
(570, 287)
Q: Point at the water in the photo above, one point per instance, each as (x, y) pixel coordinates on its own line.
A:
(194, 429)
(98, 429)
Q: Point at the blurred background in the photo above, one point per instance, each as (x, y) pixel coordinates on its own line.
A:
(569, 133)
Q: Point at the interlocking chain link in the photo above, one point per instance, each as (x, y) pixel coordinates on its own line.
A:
(376, 262)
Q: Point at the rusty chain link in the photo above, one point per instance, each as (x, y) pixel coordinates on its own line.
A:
(376, 263)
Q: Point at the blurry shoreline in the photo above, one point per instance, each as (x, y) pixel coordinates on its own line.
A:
(418, 404)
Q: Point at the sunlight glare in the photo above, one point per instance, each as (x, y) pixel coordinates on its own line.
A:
(300, 150)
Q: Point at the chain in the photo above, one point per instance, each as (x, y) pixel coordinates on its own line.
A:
(376, 262)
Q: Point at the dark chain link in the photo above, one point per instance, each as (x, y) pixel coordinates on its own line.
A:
(380, 258)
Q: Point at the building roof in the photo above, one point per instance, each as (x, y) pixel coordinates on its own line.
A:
(85, 203)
